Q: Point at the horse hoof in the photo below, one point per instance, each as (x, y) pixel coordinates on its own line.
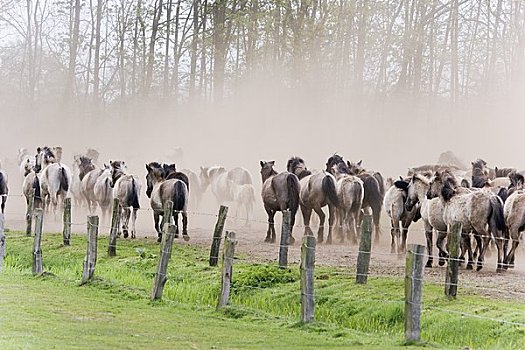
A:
(159, 239)
(470, 267)
(499, 270)
(267, 240)
(441, 263)
(479, 267)
(320, 240)
(429, 264)
(291, 240)
(186, 237)
(125, 234)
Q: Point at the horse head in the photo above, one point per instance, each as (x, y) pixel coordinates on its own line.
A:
(417, 190)
(44, 157)
(267, 169)
(333, 160)
(85, 165)
(340, 169)
(155, 174)
(297, 166)
(117, 169)
(355, 168)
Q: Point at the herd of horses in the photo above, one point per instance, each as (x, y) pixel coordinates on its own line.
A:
(488, 203)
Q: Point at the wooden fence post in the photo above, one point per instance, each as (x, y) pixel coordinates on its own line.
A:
(91, 252)
(307, 279)
(165, 255)
(66, 233)
(413, 292)
(115, 222)
(227, 268)
(451, 278)
(38, 267)
(2, 241)
(365, 246)
(217, 236)
(285, 236)
(29, 212)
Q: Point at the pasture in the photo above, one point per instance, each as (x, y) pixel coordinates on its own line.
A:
(114, 309)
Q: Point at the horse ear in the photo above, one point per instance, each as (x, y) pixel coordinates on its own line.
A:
(360, 162)
(110, 162)
(261, 162)
(272, 162)
(38, 149)
(348, 163)
(148, 168)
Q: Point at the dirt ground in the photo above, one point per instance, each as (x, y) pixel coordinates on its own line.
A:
(251, 247)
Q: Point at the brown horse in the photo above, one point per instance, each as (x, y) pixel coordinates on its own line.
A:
(160, 190)
(280, 192)
(317, 191)
(126, 188)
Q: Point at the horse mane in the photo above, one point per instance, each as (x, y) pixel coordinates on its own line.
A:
(449, 185)
(423, 178)
(342, 168)
(295, 163)
(516, 180)
(333, 160)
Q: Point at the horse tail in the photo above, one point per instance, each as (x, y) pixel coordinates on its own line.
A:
(106, 190)
(372, 192)
(496, 218)
(381, 182)
(3, 184)
(329, 189)
(134, 195)
(179, 195)
(64, 181)
(36, 187)
(293, 193)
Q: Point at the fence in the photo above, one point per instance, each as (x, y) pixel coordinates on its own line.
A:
(363, 257)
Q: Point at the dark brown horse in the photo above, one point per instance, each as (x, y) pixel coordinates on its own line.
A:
(280, 192)
(160, 190)
(317, 191)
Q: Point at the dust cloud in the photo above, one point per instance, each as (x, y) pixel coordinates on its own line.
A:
(267, 120)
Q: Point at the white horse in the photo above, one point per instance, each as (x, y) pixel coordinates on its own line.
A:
(196, 188)
(103, 193)
(243, 200)
(55, 179)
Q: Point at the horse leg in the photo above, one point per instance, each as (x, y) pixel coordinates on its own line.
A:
(439, 243)
(428, 236)
(185, 235)
(394, 232)
(307, 214)
(125, 216)
(291, 239)
(4, 199)
(341, 225)
(133, 221)
(404, 235)
(271, 215)
(322, 218)
(331, 220)
(156, 219)
(176, 221)
(509, 259)
(467, 247)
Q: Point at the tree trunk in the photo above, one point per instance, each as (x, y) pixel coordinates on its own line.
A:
(151, 52)
(96, 68)
(219, 45)
(73, 48)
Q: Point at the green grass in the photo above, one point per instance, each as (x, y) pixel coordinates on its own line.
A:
(114, 310)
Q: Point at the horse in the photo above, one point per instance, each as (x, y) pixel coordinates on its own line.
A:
(87, 187)
(160, 190)
(374, 185)
(374, 190)
(126, 188)
(31, 187)
(23, 158)
(280, 192)
(170, 172)
(81, 166)
(450, 159)
(196, 190)
(481, 174)
(4, 190)
(431, 213)
(394, 203)
(475, 210)
(514, 213)
(102, 193)
(350, 194)
(243, 200)
(317, 191)
(217, 178)
(240, 176)
(55, 178)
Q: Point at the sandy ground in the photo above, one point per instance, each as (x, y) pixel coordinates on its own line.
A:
(251, 246)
